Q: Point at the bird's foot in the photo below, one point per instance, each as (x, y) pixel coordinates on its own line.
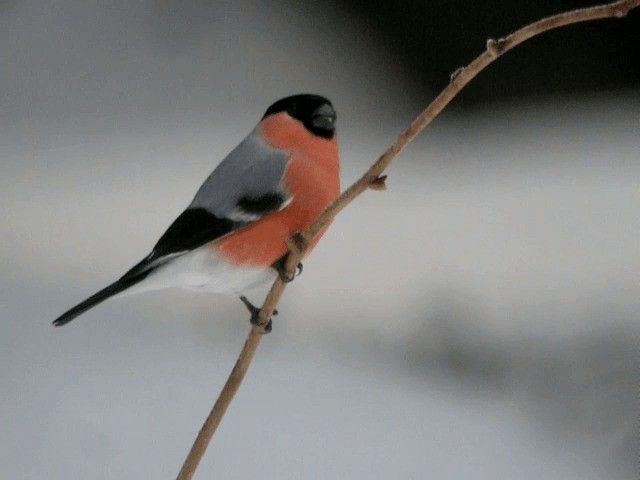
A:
(282, 273)
(255, 315)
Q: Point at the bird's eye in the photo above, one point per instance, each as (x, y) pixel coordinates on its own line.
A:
(328, 118)
(324, 122)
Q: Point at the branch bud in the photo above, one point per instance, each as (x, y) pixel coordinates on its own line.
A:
(378, 183)
(494, 47)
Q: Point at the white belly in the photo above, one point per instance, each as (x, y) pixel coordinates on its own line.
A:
(203, 271)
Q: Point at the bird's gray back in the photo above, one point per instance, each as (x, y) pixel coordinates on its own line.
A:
(252, 169)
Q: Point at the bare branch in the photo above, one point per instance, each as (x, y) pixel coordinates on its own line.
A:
(373, 179)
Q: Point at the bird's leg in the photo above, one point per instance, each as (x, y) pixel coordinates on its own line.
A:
(255, 312)
(279, 267)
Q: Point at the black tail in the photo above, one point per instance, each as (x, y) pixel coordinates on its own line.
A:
(133, 276)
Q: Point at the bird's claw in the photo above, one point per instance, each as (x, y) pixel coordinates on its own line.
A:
(289, 279)
(282, 273)
(255, 315)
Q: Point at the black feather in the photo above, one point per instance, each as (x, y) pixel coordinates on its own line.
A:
(192, 229)
(267, 203)
(116, 287)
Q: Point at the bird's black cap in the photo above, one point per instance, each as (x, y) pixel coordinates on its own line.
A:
(314, 111)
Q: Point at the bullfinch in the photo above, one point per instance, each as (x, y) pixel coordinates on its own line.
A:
(233, 235)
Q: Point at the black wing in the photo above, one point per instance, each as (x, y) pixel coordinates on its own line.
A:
(192, 229)
(197, 226)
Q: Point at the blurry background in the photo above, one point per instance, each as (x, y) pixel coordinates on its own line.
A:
(477, 320)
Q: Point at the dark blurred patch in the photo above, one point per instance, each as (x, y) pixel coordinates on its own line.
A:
(582, 389)
(451, 342)
(588, 389)
(435, 38)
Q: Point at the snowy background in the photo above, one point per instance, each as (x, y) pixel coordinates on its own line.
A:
(477, 320)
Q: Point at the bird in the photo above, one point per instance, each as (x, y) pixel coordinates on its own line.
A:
(233, 235)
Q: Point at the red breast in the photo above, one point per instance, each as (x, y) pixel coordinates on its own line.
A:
(312, 176)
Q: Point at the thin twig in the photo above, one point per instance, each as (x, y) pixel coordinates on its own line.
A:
(373, 179)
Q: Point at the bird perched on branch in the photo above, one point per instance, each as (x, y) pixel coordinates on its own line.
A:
(233, 236)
